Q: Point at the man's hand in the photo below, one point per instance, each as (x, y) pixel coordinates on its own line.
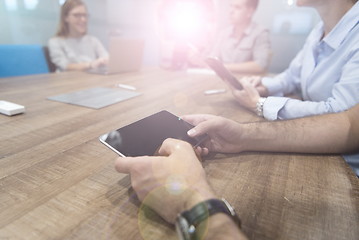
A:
(170, 183)
(224, 134)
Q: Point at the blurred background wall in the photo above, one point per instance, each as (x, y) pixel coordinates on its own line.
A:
(35, 21)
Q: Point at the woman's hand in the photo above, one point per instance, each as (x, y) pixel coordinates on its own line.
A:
(99, 62)
(248, 96)
(256, 82)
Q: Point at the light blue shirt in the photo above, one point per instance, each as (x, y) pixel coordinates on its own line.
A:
(353, 161)
(325, 72)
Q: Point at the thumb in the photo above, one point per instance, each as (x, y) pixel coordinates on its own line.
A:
(171, 145)
(124, 164)
(202, 128)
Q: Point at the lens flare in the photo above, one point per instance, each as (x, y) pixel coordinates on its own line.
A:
(186, 19)
(290, 2)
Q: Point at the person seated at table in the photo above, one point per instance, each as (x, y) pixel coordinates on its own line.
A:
(72, 48)
(244, 46)
(325, 71)
(182, 25)
(174, 183)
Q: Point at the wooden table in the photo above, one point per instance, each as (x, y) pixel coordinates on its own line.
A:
(58, 182)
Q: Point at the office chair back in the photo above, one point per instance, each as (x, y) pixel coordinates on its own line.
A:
(18, 60)
(50, 64)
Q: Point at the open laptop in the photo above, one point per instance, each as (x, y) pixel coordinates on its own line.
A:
(125, 55)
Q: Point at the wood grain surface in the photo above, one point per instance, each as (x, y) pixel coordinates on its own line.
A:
(57, 181)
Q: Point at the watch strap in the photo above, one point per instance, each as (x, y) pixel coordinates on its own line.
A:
(203, 210)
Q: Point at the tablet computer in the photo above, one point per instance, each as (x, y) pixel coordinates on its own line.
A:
(145, 136)
(223, 72)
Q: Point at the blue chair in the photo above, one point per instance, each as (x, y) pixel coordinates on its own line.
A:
(18, 60)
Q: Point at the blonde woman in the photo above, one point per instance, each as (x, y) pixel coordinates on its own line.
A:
(72, 49)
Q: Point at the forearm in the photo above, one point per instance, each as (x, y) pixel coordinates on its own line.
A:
(353, 139)
(78, 66)
(330, 133)
(246, 67)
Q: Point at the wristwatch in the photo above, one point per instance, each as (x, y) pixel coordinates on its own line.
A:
(259, 106)
(188, 221)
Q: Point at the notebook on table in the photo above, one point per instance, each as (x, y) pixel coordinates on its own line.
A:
(95, 97)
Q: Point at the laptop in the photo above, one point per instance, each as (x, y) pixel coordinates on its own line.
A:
(125, 55)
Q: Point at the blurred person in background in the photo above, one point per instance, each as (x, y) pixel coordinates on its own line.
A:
(72, 48)
(244, 46)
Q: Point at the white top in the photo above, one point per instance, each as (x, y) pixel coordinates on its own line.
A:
(64, 51)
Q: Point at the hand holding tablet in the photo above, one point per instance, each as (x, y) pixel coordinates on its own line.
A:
(144, 137)
(223, 72)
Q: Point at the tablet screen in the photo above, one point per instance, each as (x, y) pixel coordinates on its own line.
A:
(145, 136)
(217, 66)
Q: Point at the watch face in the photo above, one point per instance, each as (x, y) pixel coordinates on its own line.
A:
(182, 228)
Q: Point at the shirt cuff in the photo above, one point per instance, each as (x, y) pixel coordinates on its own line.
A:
(353, 161)
(272, 86)
(272, 106)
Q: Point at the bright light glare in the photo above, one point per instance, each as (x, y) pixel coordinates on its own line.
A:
(31, 4)
(61, 2)
(290, 2)
(186, 19)
(11, 5)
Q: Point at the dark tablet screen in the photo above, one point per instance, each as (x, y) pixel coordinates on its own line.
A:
(145, 136)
